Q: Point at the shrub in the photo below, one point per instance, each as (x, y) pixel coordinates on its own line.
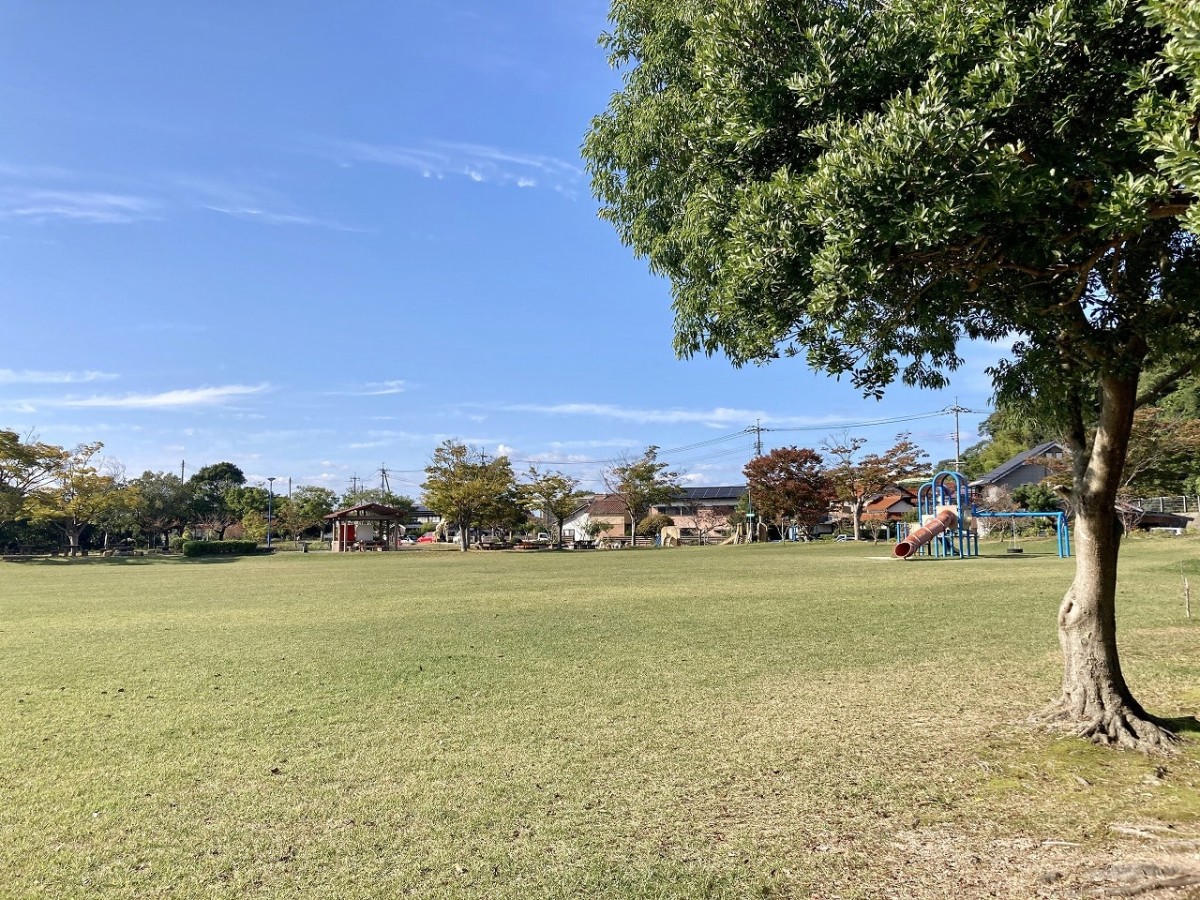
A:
(654, 523)
(219, 548)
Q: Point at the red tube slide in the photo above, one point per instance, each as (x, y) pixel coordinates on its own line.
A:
(940, 524)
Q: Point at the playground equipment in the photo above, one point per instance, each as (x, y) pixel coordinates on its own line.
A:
(938, 525)
(944, 507)
(1061, 532)
(947, 521)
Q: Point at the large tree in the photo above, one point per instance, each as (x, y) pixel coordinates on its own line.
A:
(642, 483)
(214, 496)
(162, 504)
(26, 465)
(871, 183)
(80, 495)
(467, 487)
(308, 507)
(789, 484)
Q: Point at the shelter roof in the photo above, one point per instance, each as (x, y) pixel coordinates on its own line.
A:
(373, 511)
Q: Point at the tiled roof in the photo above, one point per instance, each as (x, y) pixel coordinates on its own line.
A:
(606, 505)
(1016, 462)
(367, 511)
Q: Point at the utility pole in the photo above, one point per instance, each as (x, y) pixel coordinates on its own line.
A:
(757, 429)
(957, 410)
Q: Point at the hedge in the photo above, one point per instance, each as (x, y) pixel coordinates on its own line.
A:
(219, 548)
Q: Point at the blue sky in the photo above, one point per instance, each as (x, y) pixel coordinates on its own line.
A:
(313, 239)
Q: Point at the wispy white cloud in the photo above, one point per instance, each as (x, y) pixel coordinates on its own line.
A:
(267, 217)
(374, 389)
(187, 397)
(718, 417)
(37, 376)
(443, 159)
(88, 207)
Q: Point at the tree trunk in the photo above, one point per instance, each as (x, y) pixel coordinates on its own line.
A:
(74, 531)
(1095, 702)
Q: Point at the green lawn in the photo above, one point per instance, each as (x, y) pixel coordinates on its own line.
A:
(775, 721)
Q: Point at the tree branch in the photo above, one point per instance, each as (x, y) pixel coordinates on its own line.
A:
(1167, 382)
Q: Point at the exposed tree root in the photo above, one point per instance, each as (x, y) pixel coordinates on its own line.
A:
(1111, 728)
(1141, 878)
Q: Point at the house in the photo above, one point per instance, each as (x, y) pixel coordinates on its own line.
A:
(606, 509)
(704, 509)
(889, 505)
(1024, 468)
(423, 515)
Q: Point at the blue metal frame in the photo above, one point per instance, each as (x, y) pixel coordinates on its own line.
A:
(1062, 532)
(957, 541)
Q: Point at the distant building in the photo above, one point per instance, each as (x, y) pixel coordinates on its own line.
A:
(889, 505)
(1024, 468)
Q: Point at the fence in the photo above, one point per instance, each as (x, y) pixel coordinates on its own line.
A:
(1178, 505)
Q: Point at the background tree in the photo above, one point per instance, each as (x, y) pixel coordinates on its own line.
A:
(213, 497)
(403, 504)
(789, 484)
(554, 495)
(26, 465)
(1036, 498)
(1164, 454)
(708, 520)
(308, 508)
(466, 487)
(162, 504)
(78, 497)
(642, 483)
(869, 184)
(856, 480)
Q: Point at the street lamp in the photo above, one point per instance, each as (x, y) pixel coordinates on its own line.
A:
(270, 500)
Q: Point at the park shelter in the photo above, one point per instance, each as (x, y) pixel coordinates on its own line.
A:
(368, 526)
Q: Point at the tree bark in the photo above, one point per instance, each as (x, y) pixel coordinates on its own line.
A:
(1096, 703)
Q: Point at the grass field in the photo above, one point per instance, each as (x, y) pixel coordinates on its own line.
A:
(770, 721)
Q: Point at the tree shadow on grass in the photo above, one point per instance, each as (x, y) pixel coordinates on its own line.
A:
(1019, 556)
(1181, 725)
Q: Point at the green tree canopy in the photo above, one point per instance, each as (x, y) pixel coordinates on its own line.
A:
(26, 465)
(214, 501)
(79, 496)
(642, 483)
(308, 507)
(552, 494)
(467, 487)
(870, 184)
(162, 504)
